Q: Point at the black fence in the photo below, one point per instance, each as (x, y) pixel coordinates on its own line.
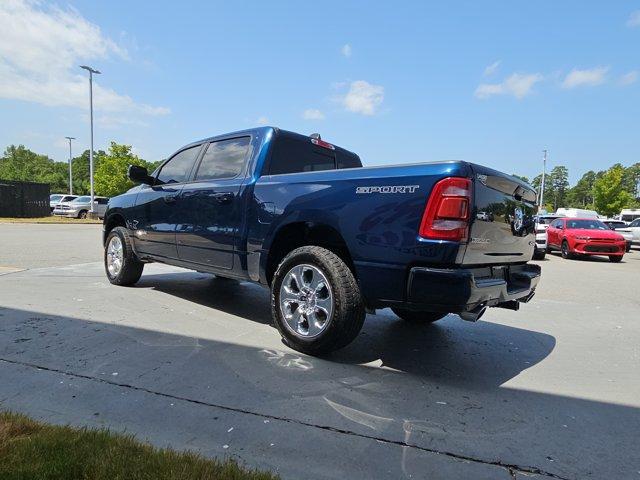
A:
(24, 199)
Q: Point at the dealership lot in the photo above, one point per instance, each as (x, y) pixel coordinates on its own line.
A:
(190, 361)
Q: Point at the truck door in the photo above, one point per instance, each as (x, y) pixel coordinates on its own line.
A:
(210, 211)
(155, 215)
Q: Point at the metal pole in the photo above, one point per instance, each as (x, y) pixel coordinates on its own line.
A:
(70, 173)
(91, 72)
(544, 170)
(91, 143)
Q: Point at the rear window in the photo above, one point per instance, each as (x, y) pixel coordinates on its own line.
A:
(296, 153)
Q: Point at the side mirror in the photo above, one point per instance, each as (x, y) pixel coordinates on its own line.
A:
(139, 175)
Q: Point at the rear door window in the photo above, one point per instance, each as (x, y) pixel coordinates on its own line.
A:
(224, 159)
(177, 169)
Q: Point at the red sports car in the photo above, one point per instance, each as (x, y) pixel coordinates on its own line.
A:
(584, 236)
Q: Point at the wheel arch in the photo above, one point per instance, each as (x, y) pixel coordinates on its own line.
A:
(297, 234)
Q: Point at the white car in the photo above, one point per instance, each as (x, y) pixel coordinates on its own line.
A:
(621, 227)
(634, 227)
(56, 199)
(542, 223)
(80, 207)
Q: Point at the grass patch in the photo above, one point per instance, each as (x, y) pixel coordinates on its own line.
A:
(50, 219)
(34, 450)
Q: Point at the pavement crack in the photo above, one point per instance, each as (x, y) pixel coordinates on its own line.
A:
(511, 469)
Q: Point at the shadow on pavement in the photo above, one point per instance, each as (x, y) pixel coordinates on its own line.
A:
(483, 354)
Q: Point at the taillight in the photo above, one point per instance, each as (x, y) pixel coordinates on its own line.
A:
(446, 216)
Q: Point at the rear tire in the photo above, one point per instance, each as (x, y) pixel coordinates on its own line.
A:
(120, 262)
(416, 317)
(299, 316)
(539, 254)
(615, 258)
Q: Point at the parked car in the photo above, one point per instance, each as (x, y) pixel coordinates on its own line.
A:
(81, 206)
(634, 228)
(621, 227)
(628, 215)
(59, 198)
(541, 224)
(576, 213)
(330, 238)
(584, 236)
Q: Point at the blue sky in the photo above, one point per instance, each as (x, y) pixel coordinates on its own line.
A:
(489, 82)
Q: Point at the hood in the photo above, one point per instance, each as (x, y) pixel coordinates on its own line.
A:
(594, 234)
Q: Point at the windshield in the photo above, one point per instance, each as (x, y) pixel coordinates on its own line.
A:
(86, 199)
(586, 225)
(55, 198)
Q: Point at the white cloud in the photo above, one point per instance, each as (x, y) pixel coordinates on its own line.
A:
(263, 120)
(634, 19)
(346, 50)
(629, 78)
(363, 97)
(590, 77)
(41, 48)
(517, 84)
(491, 69)
(312, 114)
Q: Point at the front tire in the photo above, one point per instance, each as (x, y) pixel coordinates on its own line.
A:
(120, 262)
(564, 249)
(82, 214)
(615, 258)
(315, 301)
(412, 316)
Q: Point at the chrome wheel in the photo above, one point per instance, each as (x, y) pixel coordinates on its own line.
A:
(306, 301)
(115, 256)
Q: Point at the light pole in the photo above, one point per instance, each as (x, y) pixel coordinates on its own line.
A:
(544, 170)
(91, 72)
(70, 174)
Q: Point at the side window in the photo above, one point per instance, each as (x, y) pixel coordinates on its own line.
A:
(636, 223)
(556, 223)
(291, 155)
(102, 201)
(223, 159)
(177, 169)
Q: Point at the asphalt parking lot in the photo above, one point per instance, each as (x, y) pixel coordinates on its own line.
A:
(191, 361)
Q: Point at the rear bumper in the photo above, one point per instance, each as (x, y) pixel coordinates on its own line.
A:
(462, 290)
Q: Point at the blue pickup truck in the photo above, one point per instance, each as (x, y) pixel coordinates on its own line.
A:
(332, 239)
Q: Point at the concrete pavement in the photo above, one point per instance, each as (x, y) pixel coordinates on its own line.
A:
(191, 361)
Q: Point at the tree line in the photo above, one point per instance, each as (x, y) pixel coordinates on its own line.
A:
(110, 169)
(606, 191)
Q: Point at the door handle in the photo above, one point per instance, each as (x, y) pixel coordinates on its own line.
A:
(169, 198)
(224, 197)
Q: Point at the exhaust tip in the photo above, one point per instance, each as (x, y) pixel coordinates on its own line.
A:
(473, 315)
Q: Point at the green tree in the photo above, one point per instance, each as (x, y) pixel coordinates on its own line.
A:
(609, 195)
(110, 177)
(581, 195)
(20, 163)
(559, 181)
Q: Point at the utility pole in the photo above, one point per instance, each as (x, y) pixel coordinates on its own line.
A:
(544, 171)
(70, 174)
(91, 72)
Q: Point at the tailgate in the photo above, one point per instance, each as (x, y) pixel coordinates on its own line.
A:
(502, 227)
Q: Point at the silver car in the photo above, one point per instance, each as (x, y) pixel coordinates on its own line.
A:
(56, 199)
(621, 227)
(80, 207)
